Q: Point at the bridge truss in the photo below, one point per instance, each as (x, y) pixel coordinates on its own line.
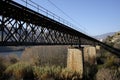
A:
(22, 26)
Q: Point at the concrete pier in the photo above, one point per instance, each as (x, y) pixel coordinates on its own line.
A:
(75, 57)
(75, 60)
(90, 54)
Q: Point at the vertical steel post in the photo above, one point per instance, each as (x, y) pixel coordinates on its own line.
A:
(82, 49)
(2, 29)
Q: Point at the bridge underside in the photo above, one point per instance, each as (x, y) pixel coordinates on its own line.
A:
(22, 26)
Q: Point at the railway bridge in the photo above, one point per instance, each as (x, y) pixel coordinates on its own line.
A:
(22, 26)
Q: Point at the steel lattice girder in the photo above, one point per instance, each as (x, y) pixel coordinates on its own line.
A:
(14, 31)
(21, 25)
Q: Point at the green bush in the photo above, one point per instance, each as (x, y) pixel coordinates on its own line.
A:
(42, 73)
(67, 74)
(25, 71)
(57, 73)
(2, 67)
(20, 70)
(90, 71)
(108, 74)
(109, 62)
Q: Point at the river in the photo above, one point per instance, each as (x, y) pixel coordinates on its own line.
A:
(18, 53)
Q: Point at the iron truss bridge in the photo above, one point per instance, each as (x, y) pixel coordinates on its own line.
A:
(22, 26)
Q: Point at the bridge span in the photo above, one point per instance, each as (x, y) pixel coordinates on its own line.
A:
(21, 26)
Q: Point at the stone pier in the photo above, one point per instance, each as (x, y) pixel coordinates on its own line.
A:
(90, 54)
(75, 60)
(75, 57)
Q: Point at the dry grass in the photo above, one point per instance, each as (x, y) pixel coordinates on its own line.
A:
(18, 70)
(23, 70)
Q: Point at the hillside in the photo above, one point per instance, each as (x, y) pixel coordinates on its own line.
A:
(113, 40)
(107, 63)
(104, 36)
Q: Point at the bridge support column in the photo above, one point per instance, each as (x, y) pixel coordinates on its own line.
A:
(75, 60)
(78, 56)
(90, 54)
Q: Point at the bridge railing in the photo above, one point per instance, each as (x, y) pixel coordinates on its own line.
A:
(36, 7)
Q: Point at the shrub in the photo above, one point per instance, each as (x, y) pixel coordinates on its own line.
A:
(108, 74)
(67, 74)
(2, 67)
(109, 62)
(42, 73)
(20, 70)
(57, 73)
(47, 72)
(90, 71)
(12, 58)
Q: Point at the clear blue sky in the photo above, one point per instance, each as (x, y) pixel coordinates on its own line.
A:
(95, 16)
